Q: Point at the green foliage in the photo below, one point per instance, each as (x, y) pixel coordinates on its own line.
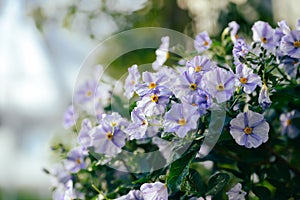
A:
(216, 183)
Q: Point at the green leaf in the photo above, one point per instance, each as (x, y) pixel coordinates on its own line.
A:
(180, 168)
(262, 192)
(132, 106)
(216, 183)
(193, 184)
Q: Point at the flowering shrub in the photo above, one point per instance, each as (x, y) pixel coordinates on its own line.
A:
(219, 123)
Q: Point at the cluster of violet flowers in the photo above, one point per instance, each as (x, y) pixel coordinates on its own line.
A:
(174, 99)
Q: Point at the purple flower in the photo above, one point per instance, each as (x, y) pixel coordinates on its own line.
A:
(131, 81)
(287, 125)
(202, 100)
(219, 83)
(154, 83)
(200, 64)
(154, 103)
(86, 92)
(84, 136)
(202, 42)
(264, 97)
(62, 176)
(234, 27)
(181, 118)
(132, 195)
(187, 84)
(263, 33)
(70, 117)
(140, 127)
(282, 30)
(236, 193)
(247, 78)
(72, 193)
(290, 44)
(290, 65)
(240, 49)
(162, 54)
(249, 129)
(154, 191)
(108, 138)
(75, 160)
(114, 119)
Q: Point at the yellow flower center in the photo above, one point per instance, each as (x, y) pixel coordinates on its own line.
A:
(193, 104)
(182, 122)
(113, 124)
(78, 161)
(205, 43)
(152, 85)
(243, 80)
(154, 98)
(264, 40)
(109, 135)
(144, 123)
(198, 68)
(288, 122)
(167, 55)
(236, 36)
(220, 87)
(193, 86)
(89, 93)
(297, 44)
(132, 82)
(248, 130)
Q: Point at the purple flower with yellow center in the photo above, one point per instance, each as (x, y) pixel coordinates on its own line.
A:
(247, 78)
(234, 28)
(108, 139)
(84, 136)
(131, 81)
(200, 64)
(162, 53)
(264, 97)
(140, 127)
(249, 129)
(153, 83)
(236, 193)
(202, 100)
(219, 83)
(70, 117)
(188, 83)
(290, 44)
(75, 160)
(114, 119)
(290, 65)
(288, 124)
(263, 33)
(202, 42)
(132, 195)
(87, 92)
(154, 103)
(154, 191)
(181, 118)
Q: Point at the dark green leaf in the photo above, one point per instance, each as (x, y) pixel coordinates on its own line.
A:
(216, 183)
(262, 192)
(180, 168)
(192, 183)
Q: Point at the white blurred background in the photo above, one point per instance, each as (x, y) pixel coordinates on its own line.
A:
(38, 69)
